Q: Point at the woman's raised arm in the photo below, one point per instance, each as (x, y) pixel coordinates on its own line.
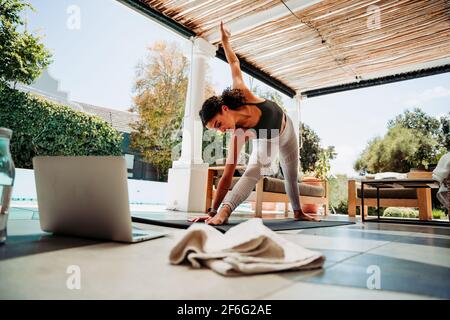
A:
(237, 141)
(236, 73)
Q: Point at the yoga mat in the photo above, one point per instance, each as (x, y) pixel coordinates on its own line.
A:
(273, 224)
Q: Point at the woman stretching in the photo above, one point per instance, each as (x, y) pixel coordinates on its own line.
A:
(250, 117)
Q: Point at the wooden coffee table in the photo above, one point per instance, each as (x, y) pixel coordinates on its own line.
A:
(400, 183)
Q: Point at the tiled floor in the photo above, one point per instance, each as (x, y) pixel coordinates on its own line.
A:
(413, 262)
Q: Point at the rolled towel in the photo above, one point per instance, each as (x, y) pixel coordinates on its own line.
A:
(248, 248)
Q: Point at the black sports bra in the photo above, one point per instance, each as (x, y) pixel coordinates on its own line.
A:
(269, 124)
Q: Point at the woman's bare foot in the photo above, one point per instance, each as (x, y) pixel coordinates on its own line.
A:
(300, 215)
(220, 218)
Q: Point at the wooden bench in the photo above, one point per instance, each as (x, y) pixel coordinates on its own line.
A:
(401, 197)
(269, 189)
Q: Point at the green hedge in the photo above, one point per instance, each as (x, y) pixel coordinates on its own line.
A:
(411, 213)
(44, 128)
(401, 212)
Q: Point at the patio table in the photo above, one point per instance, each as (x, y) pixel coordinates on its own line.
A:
(398, 183)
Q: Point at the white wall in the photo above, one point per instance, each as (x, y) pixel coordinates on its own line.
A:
(140, 191)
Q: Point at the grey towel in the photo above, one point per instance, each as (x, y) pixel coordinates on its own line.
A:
(248, 248)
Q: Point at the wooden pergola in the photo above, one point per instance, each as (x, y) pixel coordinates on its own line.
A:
(301, 48)
(317, 47)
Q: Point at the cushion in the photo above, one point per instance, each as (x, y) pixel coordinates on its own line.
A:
(391, 193)
(387, 175)
(277, 186)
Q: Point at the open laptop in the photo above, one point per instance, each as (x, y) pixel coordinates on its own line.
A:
(86, 197)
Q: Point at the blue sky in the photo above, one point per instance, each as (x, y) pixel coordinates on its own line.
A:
(96, 64)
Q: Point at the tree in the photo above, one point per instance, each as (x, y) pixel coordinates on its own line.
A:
(413, 140)
(22, 55)
(399, 151)
(269, 94)
(433, 128)
(417, 120)
(313, 157)
(160, 94)
(445, 132)
(310, 151)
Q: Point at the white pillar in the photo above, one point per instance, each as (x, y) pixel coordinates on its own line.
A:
(295, 115)
(188, 175)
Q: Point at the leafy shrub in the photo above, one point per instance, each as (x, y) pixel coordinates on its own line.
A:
(43, 128)
(342, 207)
(411, 213)
(439, 214)
(401, 212)
(373, 211)
(338, 193)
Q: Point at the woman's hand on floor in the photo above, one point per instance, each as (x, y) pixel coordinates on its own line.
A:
(198, 219)
(211, 214)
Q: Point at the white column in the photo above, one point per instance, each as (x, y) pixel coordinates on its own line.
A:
(295, 115)
(188, 175)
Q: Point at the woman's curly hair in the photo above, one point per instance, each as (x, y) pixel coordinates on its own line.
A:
(232, 98)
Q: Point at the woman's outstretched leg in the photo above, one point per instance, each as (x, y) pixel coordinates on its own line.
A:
(289, 160)
(238, 194)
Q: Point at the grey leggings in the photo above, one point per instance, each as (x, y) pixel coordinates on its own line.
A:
(264, 151)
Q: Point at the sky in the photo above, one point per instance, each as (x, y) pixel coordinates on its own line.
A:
(96, 46)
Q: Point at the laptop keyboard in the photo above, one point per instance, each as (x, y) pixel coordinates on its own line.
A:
(139, 234)
(145, 233)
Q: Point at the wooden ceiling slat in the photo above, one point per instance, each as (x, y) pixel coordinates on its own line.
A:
(395, 21)
(414, 57)
(230, 15)
(387, 14)
(435, 43)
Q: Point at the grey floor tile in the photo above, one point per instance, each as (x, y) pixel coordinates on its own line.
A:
(338, 255)
(392, 236)
(332, 257)
(425, 254)
(403, 227)
(395, 275)
(315, 291)
(318, 242)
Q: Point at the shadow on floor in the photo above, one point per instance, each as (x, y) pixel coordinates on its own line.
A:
(19, 246)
